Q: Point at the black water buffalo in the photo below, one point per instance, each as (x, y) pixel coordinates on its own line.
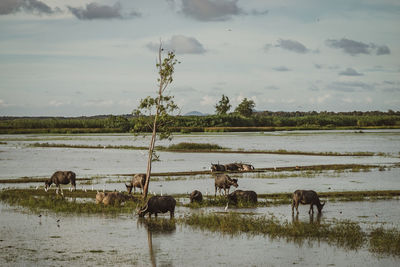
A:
(223, 181)
(217, 168)
(196, 196)
(61, 177)
(306, 197)
(137, 181)
(248, 196)
(158, 204)
(231, 167)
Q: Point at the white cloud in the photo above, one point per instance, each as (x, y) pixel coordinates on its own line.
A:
(56, 103)
(99, 103)
(208, 101)
(320, 99)
(181, 45)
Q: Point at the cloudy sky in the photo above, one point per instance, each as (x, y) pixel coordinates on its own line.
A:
(78, 57)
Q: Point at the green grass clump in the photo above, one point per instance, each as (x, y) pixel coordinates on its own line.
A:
(385, 241)
(345, 234)
(194, 146)
(57, 203)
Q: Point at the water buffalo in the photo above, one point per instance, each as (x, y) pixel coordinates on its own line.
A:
(306, 197)
(248, 196)
(158, 204)
(196, 196)
(61, 177)
(245, 167)
(110, 198)
(223, 181)
(137, 181)
(217, 168)
(231, 167)
(99, 197)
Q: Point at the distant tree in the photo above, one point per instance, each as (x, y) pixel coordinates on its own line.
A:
(155, 112)
(245, 108)
(223, 106)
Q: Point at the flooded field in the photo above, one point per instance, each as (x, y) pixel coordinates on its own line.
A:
(26, 239)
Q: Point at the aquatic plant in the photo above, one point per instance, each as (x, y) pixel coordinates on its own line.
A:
(194, 146)
(345, 234)
(386, 241)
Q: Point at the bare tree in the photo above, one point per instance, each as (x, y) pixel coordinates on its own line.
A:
(155, 112)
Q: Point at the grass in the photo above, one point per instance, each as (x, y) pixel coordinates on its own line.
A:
(211, 148)
(345, 233)
(37, 200)
(385, 241)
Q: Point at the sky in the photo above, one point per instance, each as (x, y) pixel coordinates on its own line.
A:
(96, 57)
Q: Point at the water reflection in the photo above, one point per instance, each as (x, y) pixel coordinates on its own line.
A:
(158, 227)
(295, 218)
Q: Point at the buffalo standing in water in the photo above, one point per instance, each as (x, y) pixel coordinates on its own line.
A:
(217, 168)
(196, 196)
(61, 177)
(158, 204)
(248, 196)
(223, 181)
(137, 181)
(306, 197)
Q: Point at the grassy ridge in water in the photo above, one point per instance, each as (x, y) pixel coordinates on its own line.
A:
(346, 234)
(57, 203)
(214, 148)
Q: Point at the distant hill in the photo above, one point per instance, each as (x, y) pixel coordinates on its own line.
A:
(194, 113)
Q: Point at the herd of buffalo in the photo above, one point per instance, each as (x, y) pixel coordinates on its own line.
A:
(163, 204)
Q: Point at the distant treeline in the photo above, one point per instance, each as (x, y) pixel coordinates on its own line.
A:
(259, 121)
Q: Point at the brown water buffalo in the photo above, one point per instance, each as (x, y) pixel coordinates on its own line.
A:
(217, 168)
(306, 197)
(196, 196)
(245, 167)
(110, 198)
(158, 204)
(61, 177)
(137, 181)
(231, 167)
(99, 197)
(248, 196)
(223, 181)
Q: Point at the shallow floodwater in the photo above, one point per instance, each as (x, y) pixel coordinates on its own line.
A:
(109, 241)
(26, 239)
(19, 160)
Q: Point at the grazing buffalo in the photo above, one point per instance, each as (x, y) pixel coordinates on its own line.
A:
(306, 197)
(217, 168)
(223, 181)
(196, 196)
(61, 177)
(245, 167)
(231, 167)
(99, 197)
(110, 198)
(158, 204)
(248, 196)
(137, 181)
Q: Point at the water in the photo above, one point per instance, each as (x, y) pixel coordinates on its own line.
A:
(26, 239)
(109, 241)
